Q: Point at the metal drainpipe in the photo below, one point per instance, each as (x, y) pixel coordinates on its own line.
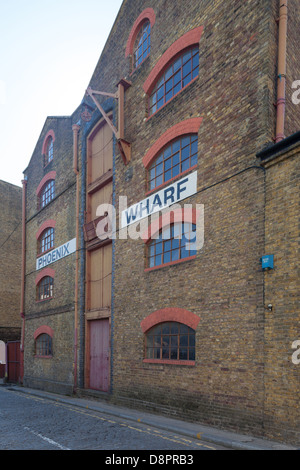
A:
(22, 300)
(75, 129)
(281, 84)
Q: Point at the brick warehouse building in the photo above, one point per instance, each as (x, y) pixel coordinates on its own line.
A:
(10, 271)
(144, 317)
(49, 188)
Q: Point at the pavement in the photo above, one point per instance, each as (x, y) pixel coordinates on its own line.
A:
(230, 440)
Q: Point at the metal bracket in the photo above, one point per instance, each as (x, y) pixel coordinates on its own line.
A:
(124, 145)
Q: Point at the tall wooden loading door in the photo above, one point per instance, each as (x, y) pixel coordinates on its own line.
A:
(98, 259)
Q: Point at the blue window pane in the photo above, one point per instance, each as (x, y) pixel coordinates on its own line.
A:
(167, 257)
(177, 64)
(176, 170)
(168, 73)
(176, 159)
(160, 93)
(185, 153)
(152, 173)
(145, 45)
(175, 255)
(167, 246)
(157, 260)
(159, 169)
(159, 180)
(195, 72)
(176, 146)
(177, 77)
(185, 165)
(168, 175)
(177, 88)
(194, 147)
(185, 141)
(167, 152)
(184, 253)
(158, 248)
(186, 80)
(169, 95)
(194, 160)
(195, 60)
(169, 85)
(159, 159)
(186, 56)
(168, 164)
(160, 103)
(187, 68)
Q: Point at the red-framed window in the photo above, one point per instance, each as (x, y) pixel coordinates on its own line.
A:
(46, 240)
(44, 289)
(48, 155)
(183, 69)
(170, 341)
(43, 345)
(175, 158)
(142, 44)
(47, 193)
(173, 243)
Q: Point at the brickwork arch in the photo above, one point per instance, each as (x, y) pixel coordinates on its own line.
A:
(48, 177)
(188, 39)
(44, 329)
(149, 14)
(50, 223)
(179, 315)
(189, 126)
(45, 272)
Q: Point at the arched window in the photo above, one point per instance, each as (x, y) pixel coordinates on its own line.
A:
(43, 345)
(170, 341)
(174, 78)
(48, 155)
(47, 193)
(46, 240)
(138, 44)
(48, 147)
(142, 44)
(177, 157)
(174, 243)
(45, 288)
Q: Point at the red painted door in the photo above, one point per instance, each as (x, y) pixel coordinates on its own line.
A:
(13, 361)
(99, 354)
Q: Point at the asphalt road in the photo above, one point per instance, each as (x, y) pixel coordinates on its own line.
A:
(33, 423)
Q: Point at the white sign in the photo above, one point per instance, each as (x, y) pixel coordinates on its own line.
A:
(56, 254)
(176, 192)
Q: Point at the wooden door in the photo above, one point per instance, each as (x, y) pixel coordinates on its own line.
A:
(99, 354)
(98, 259)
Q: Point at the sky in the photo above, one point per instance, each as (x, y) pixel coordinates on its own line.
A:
(48, 52)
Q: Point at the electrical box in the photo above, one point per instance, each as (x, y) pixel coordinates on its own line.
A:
(267, 262)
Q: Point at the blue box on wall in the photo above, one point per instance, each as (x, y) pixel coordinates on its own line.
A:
(267, 262)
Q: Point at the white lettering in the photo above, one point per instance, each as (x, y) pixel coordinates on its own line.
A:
(295, 358)
(56, 254)
(114, 460)
(176, 192)
(296, 94)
